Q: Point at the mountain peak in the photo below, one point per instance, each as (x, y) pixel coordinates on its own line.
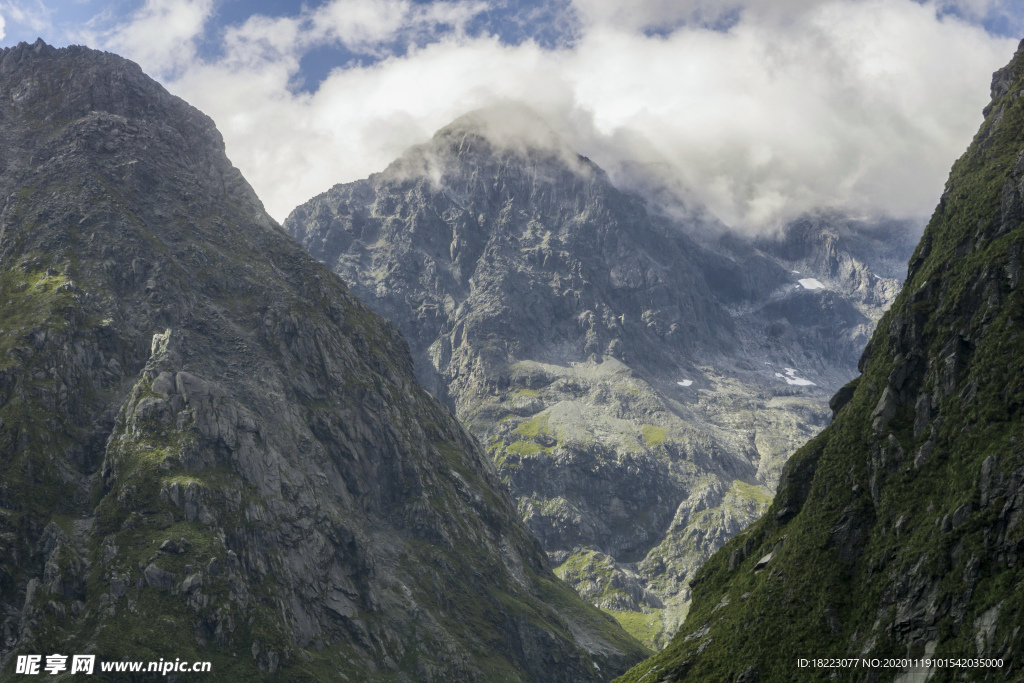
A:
(598, 350)
(1004, 78)
(499, 136)
(505, 124)
(39, 47)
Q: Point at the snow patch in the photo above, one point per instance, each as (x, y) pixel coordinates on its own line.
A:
(811, 283)
(791, 378)
(685, 383)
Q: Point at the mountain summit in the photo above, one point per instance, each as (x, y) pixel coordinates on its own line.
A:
(638, 387)
(211, 449)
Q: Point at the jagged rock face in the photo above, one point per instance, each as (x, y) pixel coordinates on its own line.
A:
(542, 257)
(560, 319)
(212, 450)
(896, 532)
(867, 260)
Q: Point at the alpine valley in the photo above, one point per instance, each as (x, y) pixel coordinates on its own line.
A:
(210, 449)
(896, 534)
(638, 373)
(488, 415)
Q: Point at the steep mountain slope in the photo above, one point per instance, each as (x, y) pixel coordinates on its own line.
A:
(628, 379)
(896, 532)
(209, 449)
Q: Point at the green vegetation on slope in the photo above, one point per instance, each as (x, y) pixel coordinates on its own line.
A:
(644, 626)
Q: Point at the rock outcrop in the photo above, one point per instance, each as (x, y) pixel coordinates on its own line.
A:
(210, 448)
(895, 535)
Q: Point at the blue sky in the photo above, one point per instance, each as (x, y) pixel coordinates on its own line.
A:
(550, 24)
(759, 109)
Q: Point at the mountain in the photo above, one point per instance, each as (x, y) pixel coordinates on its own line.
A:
(638, 384)
(211, 450)
(896, 532)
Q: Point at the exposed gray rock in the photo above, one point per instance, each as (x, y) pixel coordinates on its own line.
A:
(840, 399)
(159, 578)
(984, 629)
(748, 675)
(620, 364)
(763, 562)
(923, 453)
(922, 414)
(961, 515)
(191, 582)
(985, 479)
(885, 410)
(164, 384)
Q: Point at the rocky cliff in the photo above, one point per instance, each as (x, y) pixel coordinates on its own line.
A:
(209, 448)
(896, 532)
(638, 384)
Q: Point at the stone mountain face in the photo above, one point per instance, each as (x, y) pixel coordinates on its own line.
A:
(561, 319)
(209, 448)
(896, 532)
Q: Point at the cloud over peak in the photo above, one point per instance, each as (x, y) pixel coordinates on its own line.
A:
(760, 110)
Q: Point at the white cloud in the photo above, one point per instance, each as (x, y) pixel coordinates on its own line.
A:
(366, 27)
(661, 14)
(2, 24)
(292, 146)
(361, 23)
(859, 105)
(855, 104)
(364, 24)
(160, 35)
(31, 14)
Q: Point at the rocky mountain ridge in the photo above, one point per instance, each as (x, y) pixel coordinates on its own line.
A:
(895, 533)
(638, 385)
(210, 448)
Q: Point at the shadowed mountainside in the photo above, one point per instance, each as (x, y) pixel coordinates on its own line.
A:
(210, 449)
